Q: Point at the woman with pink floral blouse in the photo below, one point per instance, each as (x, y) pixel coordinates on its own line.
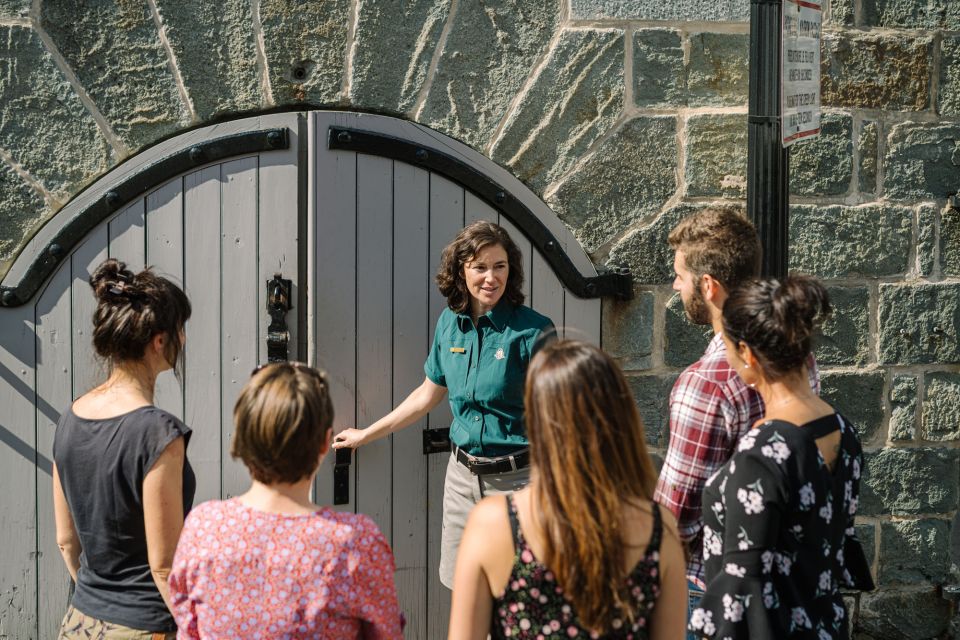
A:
(270, 563)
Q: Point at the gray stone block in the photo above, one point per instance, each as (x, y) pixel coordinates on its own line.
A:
(490, 51)
(841, 13)
(718, 69)
(627, 332)
(652, 395)
(926, 239)
(866, 534)
(903, 408)
(43, 124)
(910, 481)
(836, 241)
(716, 156)
(216, 53)
(875, 71)
(115, 50)
(684, 342)
(950, 242)
(941, 407)
(20, 209)
(685, 10)
(406, 34)
(918, 324)
(913, 551)
(575, 98)
(867, 150)
(902, 614)
(823, 166)
(845, 338)
(14, 8)
(911, 14)
(858, 396)
(922, 161)
(659, 77)
(629, 177)
(948, 101)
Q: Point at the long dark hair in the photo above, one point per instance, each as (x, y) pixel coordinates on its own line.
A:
(463, 249)
(589, 455)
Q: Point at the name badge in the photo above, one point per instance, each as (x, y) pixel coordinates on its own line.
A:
(457, 350)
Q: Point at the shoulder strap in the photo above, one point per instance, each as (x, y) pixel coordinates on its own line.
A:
(514, 522)
(657, 533)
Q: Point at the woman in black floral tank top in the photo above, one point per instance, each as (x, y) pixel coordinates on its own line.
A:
(583, 552)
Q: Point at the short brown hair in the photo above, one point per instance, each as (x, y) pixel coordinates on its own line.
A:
(463, 249)
(721, 242)
(283, 418)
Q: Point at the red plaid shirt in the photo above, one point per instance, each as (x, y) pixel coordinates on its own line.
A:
(710, 408)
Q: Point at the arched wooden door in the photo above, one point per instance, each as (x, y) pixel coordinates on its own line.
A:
(354, 210)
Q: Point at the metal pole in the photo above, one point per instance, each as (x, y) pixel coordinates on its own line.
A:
(768, 162)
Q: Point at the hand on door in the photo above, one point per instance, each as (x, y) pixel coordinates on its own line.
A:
(348, 439)
(416, 405)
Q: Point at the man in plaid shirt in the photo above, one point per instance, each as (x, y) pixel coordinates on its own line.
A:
(717, 249)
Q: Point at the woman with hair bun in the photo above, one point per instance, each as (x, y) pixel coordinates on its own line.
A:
(121, 479)
(779, 540)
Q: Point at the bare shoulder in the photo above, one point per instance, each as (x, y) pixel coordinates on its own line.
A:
(669, 520)
(490, 512)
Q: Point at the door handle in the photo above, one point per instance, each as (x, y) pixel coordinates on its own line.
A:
(278, 303)
(436, 441)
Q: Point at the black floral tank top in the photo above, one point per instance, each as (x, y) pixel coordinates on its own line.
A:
(533, 605)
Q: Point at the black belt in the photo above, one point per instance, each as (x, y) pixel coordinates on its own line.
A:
(491, 466)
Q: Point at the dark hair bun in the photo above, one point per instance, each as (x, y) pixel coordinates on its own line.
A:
(112, 282)
(777, 320)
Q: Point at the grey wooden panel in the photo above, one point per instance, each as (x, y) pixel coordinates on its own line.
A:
(201, 375)
(239, 341)
(88, 370)
(446, 220)
(164, 242)
(126, 236)
(374, 464)
(475, 209)
(411, 335)
(334, 286)
(54, 395)
(581, 318)
(546, 292)
(526, 249)
(18, 475)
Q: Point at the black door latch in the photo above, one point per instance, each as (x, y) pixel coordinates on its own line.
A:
(278, 303)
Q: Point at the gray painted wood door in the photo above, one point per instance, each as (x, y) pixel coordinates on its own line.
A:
(362, 234)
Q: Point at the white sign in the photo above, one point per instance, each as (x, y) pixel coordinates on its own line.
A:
(800, 70)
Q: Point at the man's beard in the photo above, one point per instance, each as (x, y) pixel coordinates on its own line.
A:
(696, 308)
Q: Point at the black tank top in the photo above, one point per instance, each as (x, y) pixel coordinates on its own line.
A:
(102, 464)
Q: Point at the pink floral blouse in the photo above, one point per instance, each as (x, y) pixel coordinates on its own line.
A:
(243, 573)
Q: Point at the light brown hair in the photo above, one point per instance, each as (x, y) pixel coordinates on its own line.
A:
(132, 309)
(283, 419)
(589, 455)
(463, 249)
(721, 242)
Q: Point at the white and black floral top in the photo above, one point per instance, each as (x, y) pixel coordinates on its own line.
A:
(777, 524)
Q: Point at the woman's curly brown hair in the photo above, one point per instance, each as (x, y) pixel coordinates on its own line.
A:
(463, 249)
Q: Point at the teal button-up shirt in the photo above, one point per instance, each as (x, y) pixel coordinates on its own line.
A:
(483, 368)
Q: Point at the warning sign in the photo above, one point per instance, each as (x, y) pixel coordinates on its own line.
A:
(800, 70)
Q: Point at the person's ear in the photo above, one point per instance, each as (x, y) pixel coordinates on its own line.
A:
(325, 448)
(158, 344)
(747, 355)
(711, 288)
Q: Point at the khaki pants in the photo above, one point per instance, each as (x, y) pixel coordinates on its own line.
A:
(462, 490)
(76, 625)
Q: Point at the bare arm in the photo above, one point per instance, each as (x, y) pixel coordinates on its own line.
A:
(67, 538)
(163, 513)
(416, 405)
(670, 614)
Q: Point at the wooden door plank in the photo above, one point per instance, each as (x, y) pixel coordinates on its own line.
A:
(475, 209)
(201, 371)
(126, 236)
(446, 220)
(374, 333)
(546, 292)
(526, 250)
(19, 476)
(54, 328)
(88, 370)
(164, 235)
(581, 319)
(239, 303)
(334, 283)
(411, 282)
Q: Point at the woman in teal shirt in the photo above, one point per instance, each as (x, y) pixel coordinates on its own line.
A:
(482, 345)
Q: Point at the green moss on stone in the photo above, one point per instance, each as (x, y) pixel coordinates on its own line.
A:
(305, 46)
(574, 99)
(627, 331)
(490, 49)
(876, 71)
(404, 33)
(114, 48)
(823, 166)
(716, 156)
(629, 177)
(718, 69)
(918, 324)
(837, 241)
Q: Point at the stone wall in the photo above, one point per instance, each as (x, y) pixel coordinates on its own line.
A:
(625, 115)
